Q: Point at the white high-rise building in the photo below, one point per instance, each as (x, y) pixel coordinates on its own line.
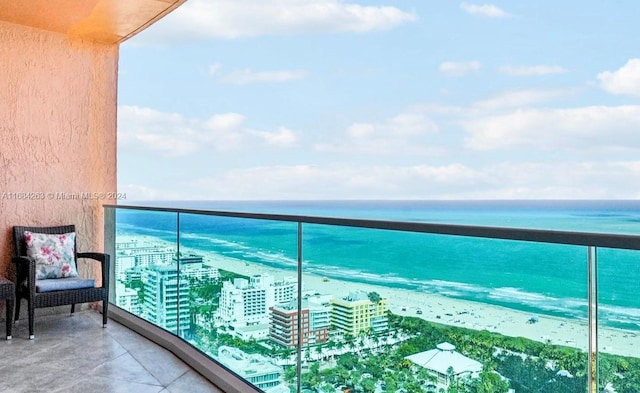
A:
(146, 257)
(165, 302)
(130, 254)
(122, 264)
(247, 302)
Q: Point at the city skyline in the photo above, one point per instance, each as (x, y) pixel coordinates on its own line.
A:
(329, 99)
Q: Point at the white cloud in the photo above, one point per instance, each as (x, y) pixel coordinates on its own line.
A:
(536, 70)
(520, 98)
(598, 132)
(246, 76)
(488, 10)
(148, 127)
(227, 19)
(137, 192)
(560, 180)
(214, 68)
(625, 80)
(593, 127)
(405, 132)
(283, 137)
(174, 135)
(459, 68)
(337, 181)
(170, 145)
(225, 121)
(507, 180)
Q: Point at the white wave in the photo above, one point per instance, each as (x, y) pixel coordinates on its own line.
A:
(274, 257)
(569, 306)
(619, 314)
(442, 285)
(632, 312)
(216, 241)
(122, 226)
(509, 293)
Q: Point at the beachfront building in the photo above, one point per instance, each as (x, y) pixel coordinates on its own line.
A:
(200, 272)
(127, 298)
(131, 254)
(315, 318)
(166, 301)
(146, 254)
(124, 263)
(356, 313)
(257, 369)
(284, 290)
(444, 363)
(245, 303)
(192, 266)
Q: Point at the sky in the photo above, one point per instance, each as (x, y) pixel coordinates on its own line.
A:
(359, 99)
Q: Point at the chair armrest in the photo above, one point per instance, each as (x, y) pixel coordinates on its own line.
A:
(23, 261)
(25, 271)
(104, 261)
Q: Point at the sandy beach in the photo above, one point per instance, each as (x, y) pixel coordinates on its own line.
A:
(441, 309)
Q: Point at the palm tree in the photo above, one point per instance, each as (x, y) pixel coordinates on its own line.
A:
(453, 383)
(290, 374)
(374, 297)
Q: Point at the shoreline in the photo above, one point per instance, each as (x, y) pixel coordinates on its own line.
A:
(440, 309)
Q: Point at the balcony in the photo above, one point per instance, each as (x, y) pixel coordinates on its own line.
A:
(589, 341)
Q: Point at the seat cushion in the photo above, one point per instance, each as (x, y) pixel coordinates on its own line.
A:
(63, 284)
(54, 254)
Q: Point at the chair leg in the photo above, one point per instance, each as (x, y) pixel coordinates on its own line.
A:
(17, 316)
(105, 306)
(32, 316)
(73, 308)
(9, 315)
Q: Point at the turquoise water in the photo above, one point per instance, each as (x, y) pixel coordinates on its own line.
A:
(534, 277)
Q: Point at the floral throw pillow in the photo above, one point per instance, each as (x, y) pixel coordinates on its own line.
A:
(53, 254)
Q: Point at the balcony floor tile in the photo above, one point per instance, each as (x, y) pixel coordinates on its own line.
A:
(75, 354)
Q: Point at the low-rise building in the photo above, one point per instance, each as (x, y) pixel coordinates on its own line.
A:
(257, 369)
(444, 363)
(356, 313)
(315, 322)
(193, 266)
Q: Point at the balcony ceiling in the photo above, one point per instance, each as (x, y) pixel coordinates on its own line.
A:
(104, 21)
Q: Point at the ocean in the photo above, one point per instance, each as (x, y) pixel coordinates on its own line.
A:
(536, 278)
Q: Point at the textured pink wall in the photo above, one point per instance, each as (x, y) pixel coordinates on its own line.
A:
(57, 133)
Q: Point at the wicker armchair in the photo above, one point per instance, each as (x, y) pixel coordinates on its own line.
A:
(65, 290)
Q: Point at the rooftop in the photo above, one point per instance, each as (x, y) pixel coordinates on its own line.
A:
(443, 357)
(247, 364)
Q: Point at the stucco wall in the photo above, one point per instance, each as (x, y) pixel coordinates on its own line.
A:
(57, 134)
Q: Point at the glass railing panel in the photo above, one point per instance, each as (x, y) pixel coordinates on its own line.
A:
(513, 314)
(519, 309)
(235, 272)
(144, 264)
(618, 279)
